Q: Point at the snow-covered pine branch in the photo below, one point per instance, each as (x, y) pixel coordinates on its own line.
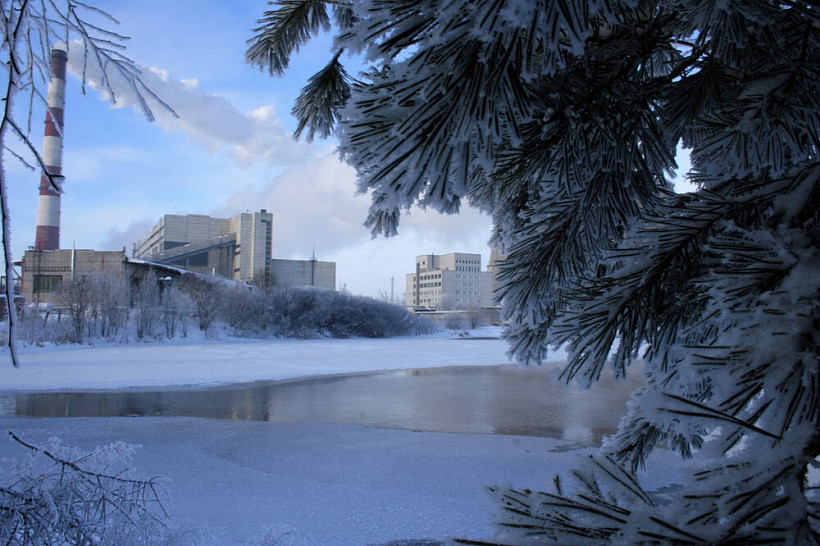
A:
(562, 118)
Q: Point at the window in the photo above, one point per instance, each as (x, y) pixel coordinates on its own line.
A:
(47, 283)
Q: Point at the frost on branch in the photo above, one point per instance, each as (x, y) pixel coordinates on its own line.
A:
(562, 119)
(63, 495)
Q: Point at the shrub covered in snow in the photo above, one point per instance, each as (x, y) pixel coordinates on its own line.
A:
(57, 494)
(102, 308)
(305, 312)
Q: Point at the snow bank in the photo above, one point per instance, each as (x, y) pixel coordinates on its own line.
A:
(205, 362)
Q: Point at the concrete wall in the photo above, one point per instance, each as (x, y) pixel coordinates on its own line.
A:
(43, 271)
(304, 273)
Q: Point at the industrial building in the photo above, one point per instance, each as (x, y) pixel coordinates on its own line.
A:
(42, 272)
(304, 273)
(237, 248)
(497, 256)
(449, 281)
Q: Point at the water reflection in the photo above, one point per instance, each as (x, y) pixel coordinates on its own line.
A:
(485, 399)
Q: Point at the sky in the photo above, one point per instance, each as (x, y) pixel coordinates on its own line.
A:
(229, 151)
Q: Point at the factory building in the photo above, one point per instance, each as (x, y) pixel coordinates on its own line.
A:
(237, 248)
(43, 272)
(304, 273)
(497, 256)
(449, 281)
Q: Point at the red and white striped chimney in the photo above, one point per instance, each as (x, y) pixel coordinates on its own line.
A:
(48, 209)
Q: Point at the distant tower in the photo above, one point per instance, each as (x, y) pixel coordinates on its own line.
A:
(48, 209)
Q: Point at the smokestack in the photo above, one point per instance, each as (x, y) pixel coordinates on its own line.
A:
(48, 209)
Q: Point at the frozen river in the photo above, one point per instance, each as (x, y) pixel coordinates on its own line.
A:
(465, 399)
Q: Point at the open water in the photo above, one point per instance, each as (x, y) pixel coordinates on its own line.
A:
(476, 399)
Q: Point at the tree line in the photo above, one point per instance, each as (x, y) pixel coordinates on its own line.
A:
(113, 308)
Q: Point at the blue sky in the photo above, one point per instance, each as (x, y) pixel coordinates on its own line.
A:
(230, 152)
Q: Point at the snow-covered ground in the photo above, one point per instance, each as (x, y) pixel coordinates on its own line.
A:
(206, 362)
(230, 481)
(239, 482)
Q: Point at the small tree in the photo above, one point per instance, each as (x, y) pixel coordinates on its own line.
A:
(110, 294)
(245, 309)
(170, 311)
(77, 297)
(205, 296)
(145, 301)
(62, 495)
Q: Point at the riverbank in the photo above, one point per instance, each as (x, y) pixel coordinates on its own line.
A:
(212, 362)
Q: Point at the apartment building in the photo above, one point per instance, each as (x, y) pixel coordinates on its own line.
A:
(449, 281)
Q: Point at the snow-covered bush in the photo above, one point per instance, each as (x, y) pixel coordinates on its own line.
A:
(176, 308)
(109, 309)
(562, 118)
(38, 328)
(96, 306)
(57, 494)
(245, 310)
(75, 296)
(146, 306)
(110, 302)
(305, 312)
(205, 296)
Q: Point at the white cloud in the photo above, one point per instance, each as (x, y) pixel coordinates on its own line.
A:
(315, 208)
(208, 120)
(313, 205)
(91, 163)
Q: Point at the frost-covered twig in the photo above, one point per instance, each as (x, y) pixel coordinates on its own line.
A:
(64, 495)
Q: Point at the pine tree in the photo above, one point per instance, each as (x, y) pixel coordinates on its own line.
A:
(562, 118)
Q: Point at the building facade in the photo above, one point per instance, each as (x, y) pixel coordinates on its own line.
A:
(237, 248)
(175, 230)
(497, 256)
(304, 273)
(449, 281)
(43, 272)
